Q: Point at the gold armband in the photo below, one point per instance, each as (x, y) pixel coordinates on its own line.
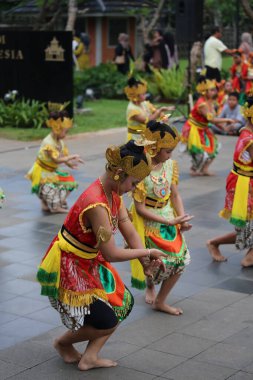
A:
(102, 236)
(123, 220)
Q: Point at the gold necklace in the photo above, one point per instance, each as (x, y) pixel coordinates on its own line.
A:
(114, 218)
(160, 183)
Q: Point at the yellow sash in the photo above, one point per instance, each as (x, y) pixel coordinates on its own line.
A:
(240, 202)
(194, 141)
(138, 278)
(49, 270)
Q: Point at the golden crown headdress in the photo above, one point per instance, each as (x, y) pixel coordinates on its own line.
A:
(205, 85)
(57, 125)
(133, 92)
(247, 110)
(115, 162)
(168, 141)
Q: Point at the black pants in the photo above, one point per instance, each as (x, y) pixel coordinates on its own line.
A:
(101, 316)
(212, 73)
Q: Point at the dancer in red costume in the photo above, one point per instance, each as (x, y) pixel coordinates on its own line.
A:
(239, 197)
(201, 142)
(76, 273)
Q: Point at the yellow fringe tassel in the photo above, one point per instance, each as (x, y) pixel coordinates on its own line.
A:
(71, 298)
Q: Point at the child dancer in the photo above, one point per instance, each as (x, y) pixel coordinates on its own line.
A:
(159, 217)
(201, 142)
(239, 198)
(139, 110)
(50, 184)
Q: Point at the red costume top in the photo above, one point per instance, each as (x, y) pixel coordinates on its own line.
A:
(239, 187)
(85, 275)
(247, 72)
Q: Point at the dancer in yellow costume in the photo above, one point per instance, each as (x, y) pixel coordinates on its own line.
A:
(51, 184)
(140, 111)
(159, 217)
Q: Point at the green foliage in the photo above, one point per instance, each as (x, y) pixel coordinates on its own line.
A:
(170, 83)
(22, 114)
(104, 79)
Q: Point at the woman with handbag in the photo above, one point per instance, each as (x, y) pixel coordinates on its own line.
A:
(123, 53)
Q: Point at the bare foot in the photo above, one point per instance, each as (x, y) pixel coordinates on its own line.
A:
(247, 261)
(68, 353)
(65, 205)
(215, 252)
(193, 173)
(44, 206)
(167, 309)
(208, 174)
(150, 295)
(88, 363)
(59, 210)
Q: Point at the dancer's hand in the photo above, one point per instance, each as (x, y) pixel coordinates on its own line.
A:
(185, 227)
(75, 157)
(180, 220)
(156, 257)
(74, 160)
(230, 121)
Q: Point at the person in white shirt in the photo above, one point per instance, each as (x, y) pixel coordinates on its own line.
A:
(213, 50)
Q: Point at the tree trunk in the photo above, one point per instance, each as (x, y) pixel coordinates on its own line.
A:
(72, 13)
(247, 8)
(146, 29)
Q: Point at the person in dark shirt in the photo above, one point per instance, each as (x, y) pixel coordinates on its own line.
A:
(123, 54)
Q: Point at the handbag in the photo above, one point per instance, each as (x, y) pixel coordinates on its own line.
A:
(120, 60)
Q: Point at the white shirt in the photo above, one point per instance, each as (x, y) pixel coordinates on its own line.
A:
(212, 51)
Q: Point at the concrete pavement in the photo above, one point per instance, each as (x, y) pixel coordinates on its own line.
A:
(211, 340)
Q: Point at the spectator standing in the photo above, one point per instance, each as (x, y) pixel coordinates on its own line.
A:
(160, 50)
(246, 46)
(213, 49)
(123, 54)
(80, 52)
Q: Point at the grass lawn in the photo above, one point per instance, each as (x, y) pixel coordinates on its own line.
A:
(105, 114)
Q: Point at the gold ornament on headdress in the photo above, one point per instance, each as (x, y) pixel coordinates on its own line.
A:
(167, 142)
(134, 91)
(115, 162)
(57, 107)
(207, 84)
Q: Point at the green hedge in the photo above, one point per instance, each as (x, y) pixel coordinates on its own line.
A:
(22, 114)
(104, 79)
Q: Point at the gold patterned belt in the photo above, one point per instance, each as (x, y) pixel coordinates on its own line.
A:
(244, 173)
(75, 243)
(150, 202)
(45, 166)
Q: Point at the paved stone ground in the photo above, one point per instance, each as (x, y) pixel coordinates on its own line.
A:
(213, 339)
